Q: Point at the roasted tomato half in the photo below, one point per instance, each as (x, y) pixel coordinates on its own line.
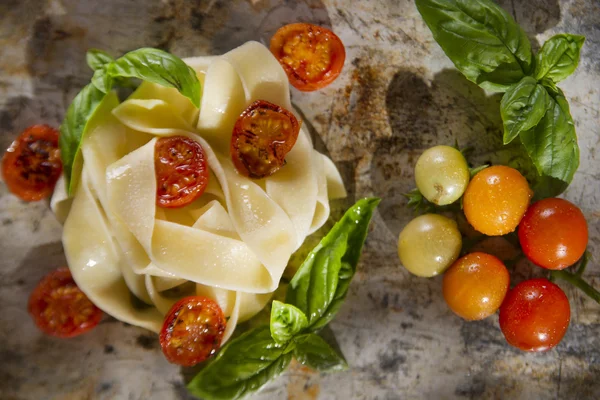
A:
(262, 137)
(59, 308)
(31, 165)
(181, 171)
(192, 331)
(312, 56)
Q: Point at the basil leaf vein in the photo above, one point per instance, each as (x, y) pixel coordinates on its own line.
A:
(559, 57)
(522, 107)
(314, 352)
(483, 41)
(286, 321)
(243, 366)
(320, 286)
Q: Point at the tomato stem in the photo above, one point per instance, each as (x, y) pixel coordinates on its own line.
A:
(576, 280)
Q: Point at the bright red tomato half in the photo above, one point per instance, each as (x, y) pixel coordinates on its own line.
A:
(59, 308)
(192, 331)
(31, 165)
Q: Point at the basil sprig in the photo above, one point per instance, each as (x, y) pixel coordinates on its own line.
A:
(489, 48)
(148, 64)
(315, 295)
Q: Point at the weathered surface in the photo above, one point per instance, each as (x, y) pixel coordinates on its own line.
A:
(397, 96)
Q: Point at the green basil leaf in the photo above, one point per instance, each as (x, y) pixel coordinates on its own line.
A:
(73, 127)
(159, 67)
(483, 41)
(102, 80)
(558, 57)
(286, 321)
(314, 352)
(96, 59)
(552, 144)
(522, 107)
(243, 366)
(321, 283)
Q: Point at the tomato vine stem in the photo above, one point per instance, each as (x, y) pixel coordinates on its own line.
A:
(576, 280)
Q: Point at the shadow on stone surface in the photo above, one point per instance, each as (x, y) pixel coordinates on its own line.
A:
(449, 109)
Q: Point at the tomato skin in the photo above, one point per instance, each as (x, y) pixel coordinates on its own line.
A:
(59, 308)
(181, 171)
(312, 56)
(475, 286)
(553, 233)
(496, 200)
(262, 136)
(192, 331)
(535, 315)
(31, 165)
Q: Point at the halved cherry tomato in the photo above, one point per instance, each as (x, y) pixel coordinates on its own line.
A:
(262, 136)
(192, 331)
(59, 308)
(535, 315)
(181, 171)
(312, 56)
(31, 165)
(553, 233)
(475, 285)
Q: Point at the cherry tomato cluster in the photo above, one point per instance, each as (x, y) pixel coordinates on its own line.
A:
(553, 234)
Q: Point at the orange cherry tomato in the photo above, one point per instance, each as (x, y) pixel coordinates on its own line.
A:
(553, 233)
(262, 136)
(496, 200)
(535, 315)
(192, 331)
(31, 165)
(181, 171)
(475, 285)
(59, 308)
(312, 56)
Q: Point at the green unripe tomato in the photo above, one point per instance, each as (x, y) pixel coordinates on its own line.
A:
(429, 244)
(442, 174)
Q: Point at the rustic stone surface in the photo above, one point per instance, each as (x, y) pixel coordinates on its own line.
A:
(397, 96)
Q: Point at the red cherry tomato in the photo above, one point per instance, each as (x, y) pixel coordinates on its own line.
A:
(192, 331)
(59, 308)
(312, 56)
(475, 285)
(181, 171)
(535, 315)
(262, 137)
(31, 165)
(553, 233)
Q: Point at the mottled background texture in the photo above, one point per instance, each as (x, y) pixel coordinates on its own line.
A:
(398, 95)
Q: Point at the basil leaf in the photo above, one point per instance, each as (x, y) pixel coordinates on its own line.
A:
(552, 144)
(102, 80)
(286, 321)
(96, 59)
(73, 127)
(159, 67)
(522, 107)
(243, 366)
(321, 283)
(314, 352)
(558, 57)
(483, 41)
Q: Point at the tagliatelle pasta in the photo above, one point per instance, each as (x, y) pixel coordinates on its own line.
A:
(233, 243)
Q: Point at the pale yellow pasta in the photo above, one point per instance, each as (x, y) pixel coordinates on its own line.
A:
(233, 243)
